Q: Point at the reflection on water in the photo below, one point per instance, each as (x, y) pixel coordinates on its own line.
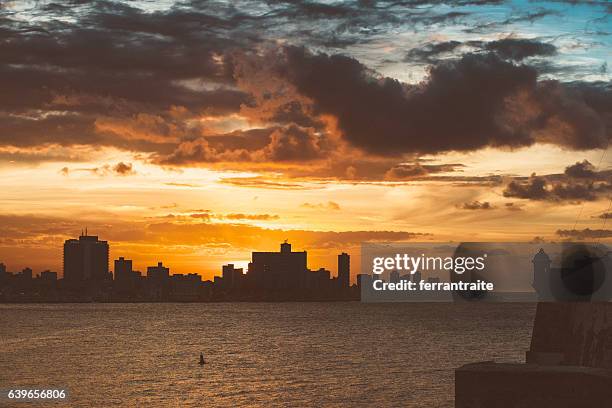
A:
(258, 354)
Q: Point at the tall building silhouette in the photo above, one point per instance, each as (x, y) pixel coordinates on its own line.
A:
(86, 258)
(279, 270)
(344, 270)
(158, 274)
(158, 279)
(231, 276)
(123, 269)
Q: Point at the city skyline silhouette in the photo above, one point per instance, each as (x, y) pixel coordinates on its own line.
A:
(578, 271)
(282, 275)
(237, 169)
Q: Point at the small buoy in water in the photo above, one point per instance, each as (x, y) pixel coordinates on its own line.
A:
(202, 362)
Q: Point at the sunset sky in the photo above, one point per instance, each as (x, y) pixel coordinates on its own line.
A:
(195, 132)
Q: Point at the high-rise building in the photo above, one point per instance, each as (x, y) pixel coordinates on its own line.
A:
(158, 274)
(85, 258)
(344, 270)
(123, 269)
(228, 276)
(279, 270)
(231, 276)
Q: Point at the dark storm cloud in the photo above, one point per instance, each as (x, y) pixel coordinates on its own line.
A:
(579, 192)
(444, 18)
(61, 81)
(533, 189)
(430, 51)
(88, 60)
(365, 17)
(293, 144)
(293, 112)
(252, 139)
(111, 59)
(314, 10)
(64, 129)
(538, 188)
(577, 115)
(455, 110)
(583, 169)
(124, 169)
(530, 17)
(105, 73)
(462, 106)
(127, 42)
(278, 144)
(477, 205)
(69, 129)
(515, 49)
(519, 49)
(579, 182)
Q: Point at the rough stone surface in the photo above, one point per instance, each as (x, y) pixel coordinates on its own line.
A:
(495, 385)
(569, 364)
(581, 332)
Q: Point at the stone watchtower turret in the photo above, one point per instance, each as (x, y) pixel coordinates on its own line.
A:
(541, 272)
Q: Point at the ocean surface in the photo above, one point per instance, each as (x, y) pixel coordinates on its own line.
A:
(258, 354)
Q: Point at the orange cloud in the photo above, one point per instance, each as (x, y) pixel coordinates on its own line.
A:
(330, 205)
